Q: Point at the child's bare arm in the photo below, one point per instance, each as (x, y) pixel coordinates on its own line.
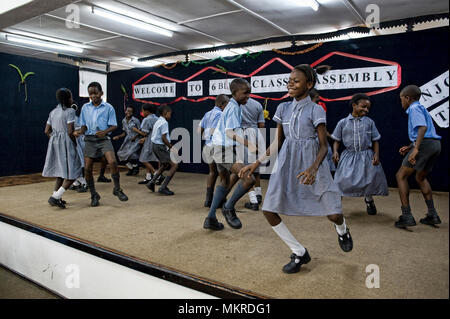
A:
(376, 153)
(48, 130)
(335, 151)
(166, 141)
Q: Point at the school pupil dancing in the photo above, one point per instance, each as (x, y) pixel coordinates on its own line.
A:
(419, 157)
(162, 147)
(98, 120)
(79, 184)
(301, 184)
(62, 160)
(224, 155)
(206, 129)
(359, 172)
(129, 149)
(147, 155)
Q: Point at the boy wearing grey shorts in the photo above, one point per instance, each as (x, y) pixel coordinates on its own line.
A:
(419, 158)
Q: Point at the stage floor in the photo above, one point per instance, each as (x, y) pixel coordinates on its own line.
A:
(413, 263)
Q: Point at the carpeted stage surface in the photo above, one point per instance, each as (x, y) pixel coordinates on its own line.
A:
(413, 263)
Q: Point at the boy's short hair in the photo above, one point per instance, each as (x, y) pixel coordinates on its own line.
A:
(237, 84)
(131, 106)
(357, 97)
(96, 85)
(163, 109)
(149, 108)
(413, 91)
(222, 99)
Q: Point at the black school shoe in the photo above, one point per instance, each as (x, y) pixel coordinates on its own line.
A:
(135, 170)
(431, 220)
(82, 189)
(259, 198)
(74, 187)
(103, 179)
(130, 172)
(95, 200)
(371, 208)
(292, 267)
(145, 181)
(165, 191)
(119, 193)
(252, 206)
(231, 218)
(160, 179)
(405, 221)
(212, 223)
(151, 186)
(345, 241)
(56, 202)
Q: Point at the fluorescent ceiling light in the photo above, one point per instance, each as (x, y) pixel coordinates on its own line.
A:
(43, 37)
(130, 21)
(44, 44)
(6, 6)
(140, 17)
(146, 63)
(239, 51)
(310, 3)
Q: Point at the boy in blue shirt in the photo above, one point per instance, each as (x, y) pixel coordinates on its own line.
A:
(420, 157)
(161, 146)
(97, 121)
(206, 129)
(224, 155)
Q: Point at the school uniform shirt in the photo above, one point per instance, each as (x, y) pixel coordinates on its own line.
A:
(129, 149)
(209, 122)
(355, 174)
(419, 116)
(285, 194)
(147, 126)
(62, 158)
(97, 118)
(252, 114)
(230, 118)
(160, 127)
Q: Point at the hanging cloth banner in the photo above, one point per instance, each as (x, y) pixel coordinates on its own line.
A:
(386, 78)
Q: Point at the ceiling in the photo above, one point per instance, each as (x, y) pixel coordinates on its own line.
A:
(194, 24)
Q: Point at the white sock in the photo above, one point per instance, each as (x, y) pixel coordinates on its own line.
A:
(58, 194)
(258, 191)
(76, 183)
(284, 233)
(81, 180)
(369, 198)
(341, 229)
(129, 165)
(135, 165)
(253, 198)
(148, 176)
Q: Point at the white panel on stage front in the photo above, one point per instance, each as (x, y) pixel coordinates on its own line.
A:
(75, 274)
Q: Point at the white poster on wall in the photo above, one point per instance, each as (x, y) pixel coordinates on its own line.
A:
(221, 86)
(195, 88)
(433, 93)
(87, 77)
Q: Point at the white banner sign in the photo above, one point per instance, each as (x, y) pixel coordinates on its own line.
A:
(435, 91)
(155, 90)
(440, 115)
(270, 83)
(381, 76)
(221, 86)
(195, 88)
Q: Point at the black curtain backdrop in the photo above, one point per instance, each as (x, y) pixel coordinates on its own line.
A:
(423, 55)
(22, 139)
